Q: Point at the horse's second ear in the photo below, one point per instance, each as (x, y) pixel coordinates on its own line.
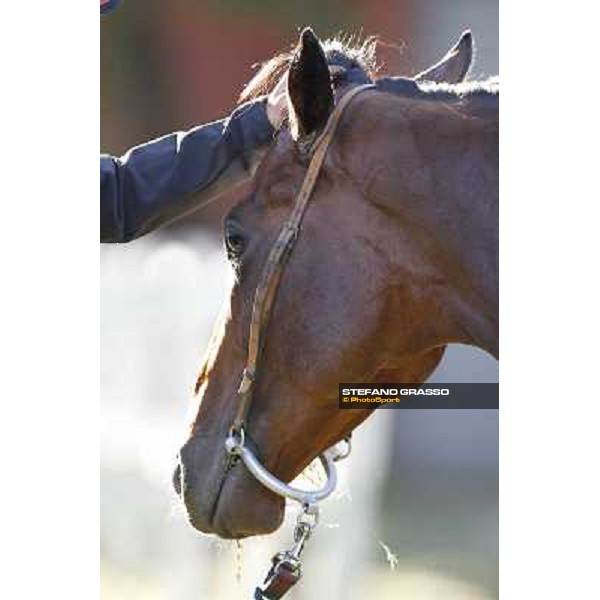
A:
(309, 87)
(453, 68)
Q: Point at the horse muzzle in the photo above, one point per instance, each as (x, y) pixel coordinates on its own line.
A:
(222, 498)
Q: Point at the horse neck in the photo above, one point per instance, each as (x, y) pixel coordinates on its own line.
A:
(463, 208)
(445, 194)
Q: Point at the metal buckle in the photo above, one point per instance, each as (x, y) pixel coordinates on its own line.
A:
(286, 567)
(342, 454)
(246, 382)
(234, 442)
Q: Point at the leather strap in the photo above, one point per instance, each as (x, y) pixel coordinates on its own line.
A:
(281, 578)
(271, 274)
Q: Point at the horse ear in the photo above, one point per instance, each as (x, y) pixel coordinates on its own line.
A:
(309, 87)
(453, 68)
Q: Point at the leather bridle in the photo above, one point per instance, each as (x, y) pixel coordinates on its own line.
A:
(286, 566)
(278, 256)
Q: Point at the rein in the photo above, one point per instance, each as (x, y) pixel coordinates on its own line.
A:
(286, 567)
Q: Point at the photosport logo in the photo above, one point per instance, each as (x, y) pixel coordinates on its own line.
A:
(418, 396)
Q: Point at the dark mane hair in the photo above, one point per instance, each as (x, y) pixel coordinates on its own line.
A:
(430, 90)
(357, 59)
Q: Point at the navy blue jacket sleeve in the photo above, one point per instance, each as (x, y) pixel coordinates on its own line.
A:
(160, 181)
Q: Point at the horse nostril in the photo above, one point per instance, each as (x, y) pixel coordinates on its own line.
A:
(177, 479)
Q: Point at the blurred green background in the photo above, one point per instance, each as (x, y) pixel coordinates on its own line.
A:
(424, 483)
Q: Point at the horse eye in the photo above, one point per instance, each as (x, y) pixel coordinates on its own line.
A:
(235, 243)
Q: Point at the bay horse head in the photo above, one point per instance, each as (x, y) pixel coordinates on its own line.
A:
(396, 257)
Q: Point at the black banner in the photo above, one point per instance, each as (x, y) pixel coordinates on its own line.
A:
(423, 396)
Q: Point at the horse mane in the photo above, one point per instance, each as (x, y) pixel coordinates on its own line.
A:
(480, 94)
(356, 57)
(489, 86)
